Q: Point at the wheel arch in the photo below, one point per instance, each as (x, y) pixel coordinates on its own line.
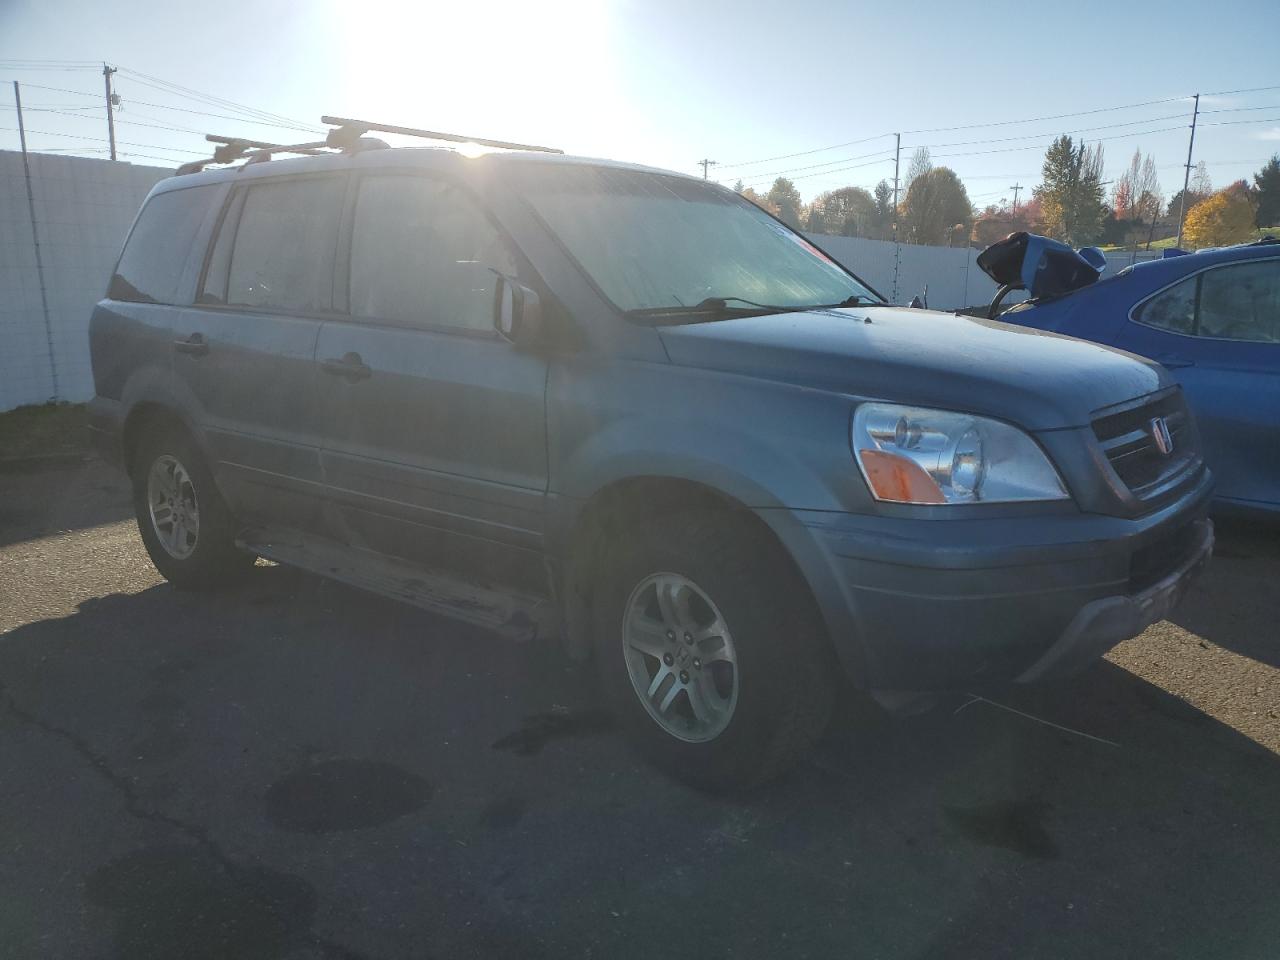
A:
(612, 509)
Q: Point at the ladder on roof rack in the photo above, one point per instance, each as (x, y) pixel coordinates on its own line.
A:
(347, 135)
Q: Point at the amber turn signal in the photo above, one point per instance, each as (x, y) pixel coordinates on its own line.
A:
(898, 479)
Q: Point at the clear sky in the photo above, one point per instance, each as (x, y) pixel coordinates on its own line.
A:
(669, 83)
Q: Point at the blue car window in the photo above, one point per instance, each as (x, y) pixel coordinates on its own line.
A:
(1242, 302)
(1173, 310)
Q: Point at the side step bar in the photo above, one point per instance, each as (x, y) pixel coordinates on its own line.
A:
(519, 617)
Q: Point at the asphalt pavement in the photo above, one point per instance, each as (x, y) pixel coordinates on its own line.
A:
(294, 769)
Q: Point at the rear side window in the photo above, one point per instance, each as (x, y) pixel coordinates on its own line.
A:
(160, 245)
(1242, 302)
(422, 252)
(275, 246)
(1173, 310)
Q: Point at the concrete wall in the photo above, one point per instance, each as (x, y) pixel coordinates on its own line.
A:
(83, 210)
(952, 276)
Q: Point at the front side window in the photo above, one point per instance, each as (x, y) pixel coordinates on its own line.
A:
(1241, 302)
(423, 253)
(282, 254)
(653, 242)
(159, 246)
(1173, 309)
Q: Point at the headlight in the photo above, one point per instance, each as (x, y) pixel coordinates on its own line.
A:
(914, 455)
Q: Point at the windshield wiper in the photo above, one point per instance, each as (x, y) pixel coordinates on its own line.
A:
(719, 308)
(855, 300)
(710, 308)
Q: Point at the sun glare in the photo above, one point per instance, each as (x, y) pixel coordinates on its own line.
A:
(530, 72)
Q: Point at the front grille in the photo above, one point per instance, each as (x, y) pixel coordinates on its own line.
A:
(1129, 442)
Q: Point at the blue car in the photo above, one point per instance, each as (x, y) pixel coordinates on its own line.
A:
(1212, 318)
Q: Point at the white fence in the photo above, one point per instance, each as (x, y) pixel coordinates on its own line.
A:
(83, 209)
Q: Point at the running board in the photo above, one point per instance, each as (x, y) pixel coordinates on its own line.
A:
(519, 617)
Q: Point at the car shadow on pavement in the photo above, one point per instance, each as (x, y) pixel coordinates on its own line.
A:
(295, 769)
(1245, 568)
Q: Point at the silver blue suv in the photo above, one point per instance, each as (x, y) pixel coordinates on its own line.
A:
(630, 409)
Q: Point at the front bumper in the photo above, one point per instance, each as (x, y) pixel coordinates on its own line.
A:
(935, 604)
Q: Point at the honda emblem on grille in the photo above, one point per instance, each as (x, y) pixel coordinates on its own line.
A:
(1161, 435)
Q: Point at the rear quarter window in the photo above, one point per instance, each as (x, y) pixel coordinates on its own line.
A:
(160, 246)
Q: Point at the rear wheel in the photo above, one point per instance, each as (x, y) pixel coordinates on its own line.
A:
(186, 527)
(710, 649)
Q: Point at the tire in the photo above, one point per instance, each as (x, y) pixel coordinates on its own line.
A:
(760, 713)
(203, 555)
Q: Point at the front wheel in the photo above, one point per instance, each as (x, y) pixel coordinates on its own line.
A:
(186, 527)
(710, 650)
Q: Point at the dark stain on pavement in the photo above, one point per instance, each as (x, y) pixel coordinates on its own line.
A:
(340, 795)
(182, 902)
(1017, 826)
(540, 729)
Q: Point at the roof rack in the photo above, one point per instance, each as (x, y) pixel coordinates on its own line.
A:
(347, 136)
(347, 130)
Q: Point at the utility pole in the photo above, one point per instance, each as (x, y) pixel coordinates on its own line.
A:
(704, 164)
(35, 241)
(1015, 188)
(111, 101)
(897, 251)
(1186, 177)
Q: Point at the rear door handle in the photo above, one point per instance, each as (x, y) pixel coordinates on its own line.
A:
(349, 365)
(196, 345)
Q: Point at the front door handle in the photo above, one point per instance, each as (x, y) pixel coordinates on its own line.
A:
(196, 345)
(349, 365)
(1173, 363)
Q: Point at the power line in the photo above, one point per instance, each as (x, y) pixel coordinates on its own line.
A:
(804, 153)
(77, 136)
(176, 88)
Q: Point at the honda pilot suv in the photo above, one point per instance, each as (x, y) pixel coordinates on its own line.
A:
(630, 409)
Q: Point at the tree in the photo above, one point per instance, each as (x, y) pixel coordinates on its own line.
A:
(784, 196)
(1136, 201)
(935, 204)
(1226, 217)
(764, 203)
(996, 223)
(884, 210)
(847, 212)
(920, 164)
(1071, 194)
(737, 187)
(1199, 187)
(1267, 186)
(1200, 181)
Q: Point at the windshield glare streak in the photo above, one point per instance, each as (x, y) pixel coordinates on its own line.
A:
(656, 242)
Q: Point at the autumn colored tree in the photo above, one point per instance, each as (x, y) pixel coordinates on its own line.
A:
(1224, 218)
(996, 223)
(763, 202)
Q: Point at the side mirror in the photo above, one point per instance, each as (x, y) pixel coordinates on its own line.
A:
(517, 311)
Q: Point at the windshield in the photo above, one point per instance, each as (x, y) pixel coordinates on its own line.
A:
(653, 242)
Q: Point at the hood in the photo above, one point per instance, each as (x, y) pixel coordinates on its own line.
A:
(1038, 380)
